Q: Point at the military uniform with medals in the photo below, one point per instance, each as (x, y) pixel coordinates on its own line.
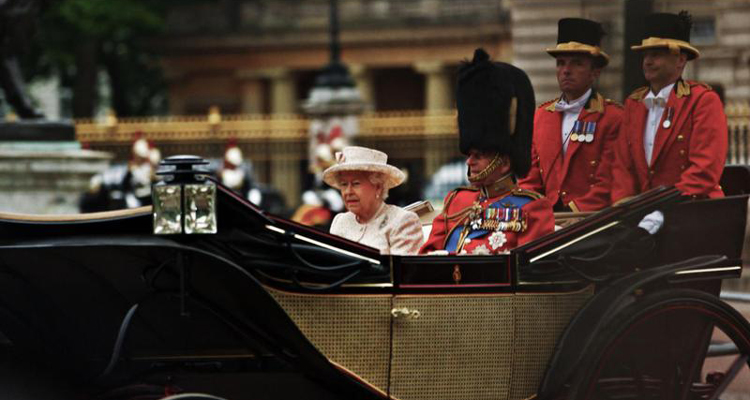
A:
(687, 144)
(490, 219)
(496, 105)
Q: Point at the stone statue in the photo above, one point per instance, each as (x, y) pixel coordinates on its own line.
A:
(17, 23)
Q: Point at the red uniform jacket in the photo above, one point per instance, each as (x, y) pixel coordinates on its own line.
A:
(581, 179)
(489, 220)
(689, 153)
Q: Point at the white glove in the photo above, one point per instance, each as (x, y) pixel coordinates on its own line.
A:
(652, 222)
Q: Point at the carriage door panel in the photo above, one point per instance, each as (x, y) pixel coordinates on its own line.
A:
(352, 331)
(452, 347)
(493, 346)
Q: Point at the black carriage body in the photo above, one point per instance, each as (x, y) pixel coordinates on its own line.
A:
(269, 309)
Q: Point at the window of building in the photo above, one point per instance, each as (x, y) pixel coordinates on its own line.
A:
(704, 31)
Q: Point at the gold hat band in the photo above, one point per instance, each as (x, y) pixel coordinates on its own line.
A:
(577, 47)
(674, 45)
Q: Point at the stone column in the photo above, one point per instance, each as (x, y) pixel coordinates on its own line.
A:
(437, 85)
(438, 99)
(286, 156)
(283, 99)
(176, 80)
(251, 89)
(363, 77)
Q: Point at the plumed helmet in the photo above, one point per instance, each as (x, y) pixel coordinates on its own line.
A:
(496, 106)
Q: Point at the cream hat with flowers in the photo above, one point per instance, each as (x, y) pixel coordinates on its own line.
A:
(354, 158)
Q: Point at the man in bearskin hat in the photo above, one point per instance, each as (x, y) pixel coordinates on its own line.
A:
(574, 134)
(495, 120)
(674, 131)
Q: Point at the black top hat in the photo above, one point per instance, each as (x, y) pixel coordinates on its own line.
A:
(496, 106)
(669, 30)
(578, 35)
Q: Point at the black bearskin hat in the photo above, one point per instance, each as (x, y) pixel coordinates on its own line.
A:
(496, 106)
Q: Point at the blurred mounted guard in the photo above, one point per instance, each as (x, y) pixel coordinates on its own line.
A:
(124, 186)
(236, 174)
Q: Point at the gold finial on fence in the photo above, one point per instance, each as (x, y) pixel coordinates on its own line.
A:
(214, 116)
(110, 120)
(743, 109)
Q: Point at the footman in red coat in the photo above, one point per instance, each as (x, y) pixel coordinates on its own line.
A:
(674, 131)
(575, 134)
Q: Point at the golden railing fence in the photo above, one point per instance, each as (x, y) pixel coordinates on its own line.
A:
(277, 145)
(738, 120)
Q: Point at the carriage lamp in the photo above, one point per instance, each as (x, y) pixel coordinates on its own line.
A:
(185, 202)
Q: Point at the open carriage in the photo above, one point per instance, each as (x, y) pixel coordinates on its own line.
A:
(208, 294)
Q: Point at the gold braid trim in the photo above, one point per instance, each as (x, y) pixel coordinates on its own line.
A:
(446, 205)
(550, 105)
(483, 174)
(683, 89)
(596, 103)
(639, 93)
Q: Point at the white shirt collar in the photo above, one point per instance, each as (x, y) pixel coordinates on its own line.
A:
(663, 93)
(579, 101)
(575, 106)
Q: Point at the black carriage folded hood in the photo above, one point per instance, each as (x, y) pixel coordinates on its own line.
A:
(94, 297)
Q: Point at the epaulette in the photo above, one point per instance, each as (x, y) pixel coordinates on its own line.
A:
(527, 193)
(614, 103)
(701, 84)
(550, 104)
(595, 103)
(638, 93)
(682, 89)
(452, 194)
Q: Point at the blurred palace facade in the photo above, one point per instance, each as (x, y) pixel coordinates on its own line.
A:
(256, 60)
(261, 56)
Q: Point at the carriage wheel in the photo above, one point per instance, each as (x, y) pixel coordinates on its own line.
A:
(660, 347)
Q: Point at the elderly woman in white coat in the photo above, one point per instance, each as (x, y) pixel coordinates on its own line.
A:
(364, 177)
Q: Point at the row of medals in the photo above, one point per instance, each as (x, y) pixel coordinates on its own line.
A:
(583, 131)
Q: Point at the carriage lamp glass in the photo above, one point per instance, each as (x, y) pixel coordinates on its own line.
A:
(200, 208)
(167, 209)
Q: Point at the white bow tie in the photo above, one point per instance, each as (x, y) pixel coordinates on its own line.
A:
(650, 102)
(565, 107)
